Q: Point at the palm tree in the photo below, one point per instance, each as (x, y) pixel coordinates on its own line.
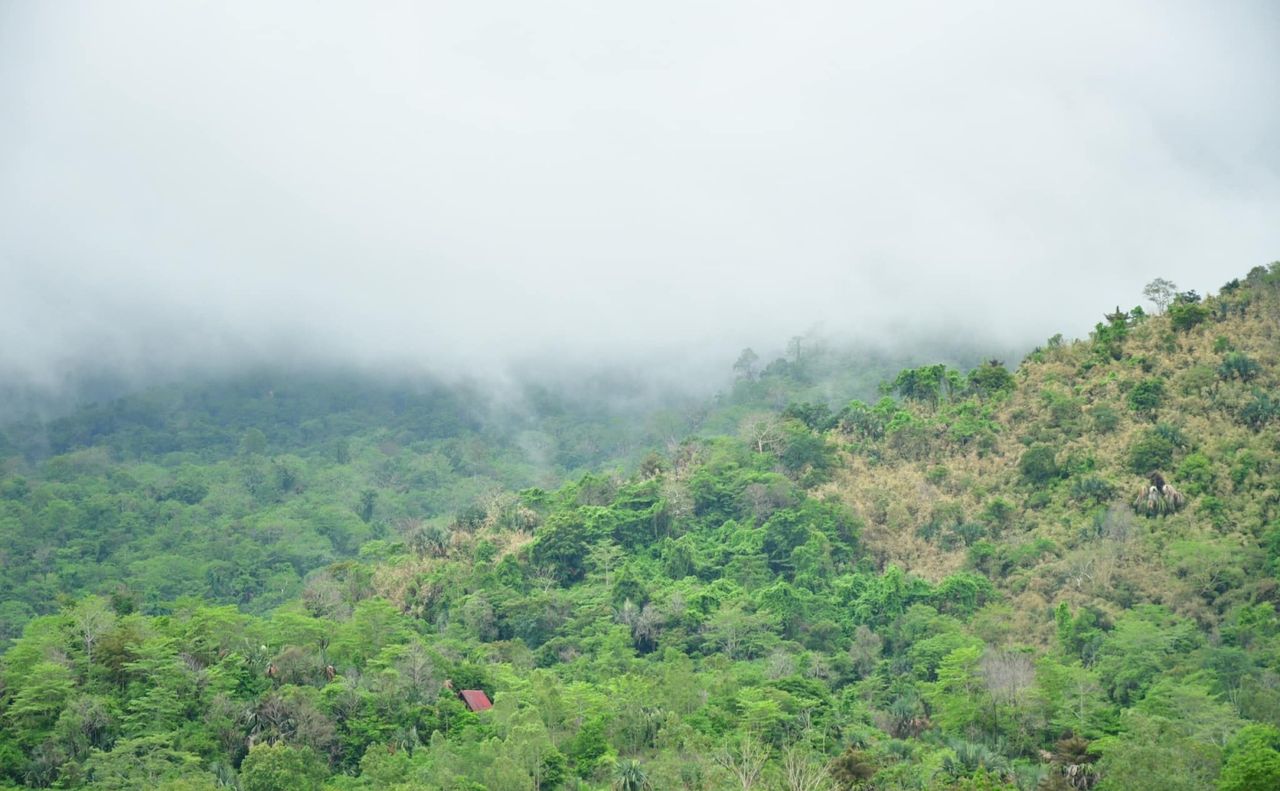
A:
(629, 775)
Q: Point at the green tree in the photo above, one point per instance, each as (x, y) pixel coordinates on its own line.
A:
(279, 767)
(1039, 465)
(1146, 397)
(928, 384)
(90, 619)
(957, 697)
(1154, 754)
(1073, 698)
(990, 378)
(368, 502)
(145, 762)
(1187, 311)
(1252, 760)
(1144, 642)
(40, 697)
(1151, 452)
(562, 546)
(253, 443)
(604, 557)
(529, 744)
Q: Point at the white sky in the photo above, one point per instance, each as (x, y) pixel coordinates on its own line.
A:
(459, 185)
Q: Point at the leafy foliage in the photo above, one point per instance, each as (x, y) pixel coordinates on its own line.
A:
(949, 589)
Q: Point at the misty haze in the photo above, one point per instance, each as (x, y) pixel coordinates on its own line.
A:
(819, 396)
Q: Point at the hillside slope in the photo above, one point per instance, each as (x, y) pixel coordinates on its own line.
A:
(1036, 488)
(962, 586)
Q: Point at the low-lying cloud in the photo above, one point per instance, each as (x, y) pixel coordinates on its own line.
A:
(455, 186)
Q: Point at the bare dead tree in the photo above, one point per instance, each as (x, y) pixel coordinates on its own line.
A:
(801, 771)
(744, 762)
(763, 431)
(1008, 675)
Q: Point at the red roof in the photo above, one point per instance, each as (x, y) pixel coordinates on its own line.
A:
(475, 699)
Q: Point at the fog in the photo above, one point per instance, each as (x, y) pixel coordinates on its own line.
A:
(463, 187)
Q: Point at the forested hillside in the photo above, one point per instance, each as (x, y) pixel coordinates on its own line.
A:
(234, 490)
(1057, 576)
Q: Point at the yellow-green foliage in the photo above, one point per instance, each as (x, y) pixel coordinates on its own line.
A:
(1070, 449)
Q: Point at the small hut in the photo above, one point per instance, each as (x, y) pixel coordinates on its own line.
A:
(475, 699)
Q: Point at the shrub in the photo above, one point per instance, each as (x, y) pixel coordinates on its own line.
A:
(998, 513)
(969, 532)
(1108, 339)
(1174, 434)
(1196, 473)
(1092, 489)
(1146, 397)
(1198, 379)
(1038, 500)
(1105, 419)
(1064, 410)
(1260, 411)
(1247, 463)
(1238, 365)
(983, 556)
(1038, 465)
(1186, 315)
(1151, 452)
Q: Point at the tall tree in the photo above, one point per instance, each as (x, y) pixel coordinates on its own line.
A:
(1160, 291)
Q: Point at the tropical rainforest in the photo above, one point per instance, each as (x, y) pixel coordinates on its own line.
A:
(846, 571)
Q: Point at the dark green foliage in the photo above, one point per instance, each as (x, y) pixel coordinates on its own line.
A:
(929, 384)
(279, 767)
(1238, 365)
(562, 546)
(808, 456)
(990, 379)
(1246, 465)
(1109, 338)
(1187, 311)
(971, 425)
(1196, 474)
(866, 422)
(852, 768)
(368, 501)
(815, 417)
(1146, 396)
(1080, 634)
(1038, 465)
(1262, 409)
(1104, 418)
(1152, 451)
(1092, 489)
(188, 491)
(962, 593)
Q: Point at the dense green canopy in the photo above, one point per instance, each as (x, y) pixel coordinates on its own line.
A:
(281, 583)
